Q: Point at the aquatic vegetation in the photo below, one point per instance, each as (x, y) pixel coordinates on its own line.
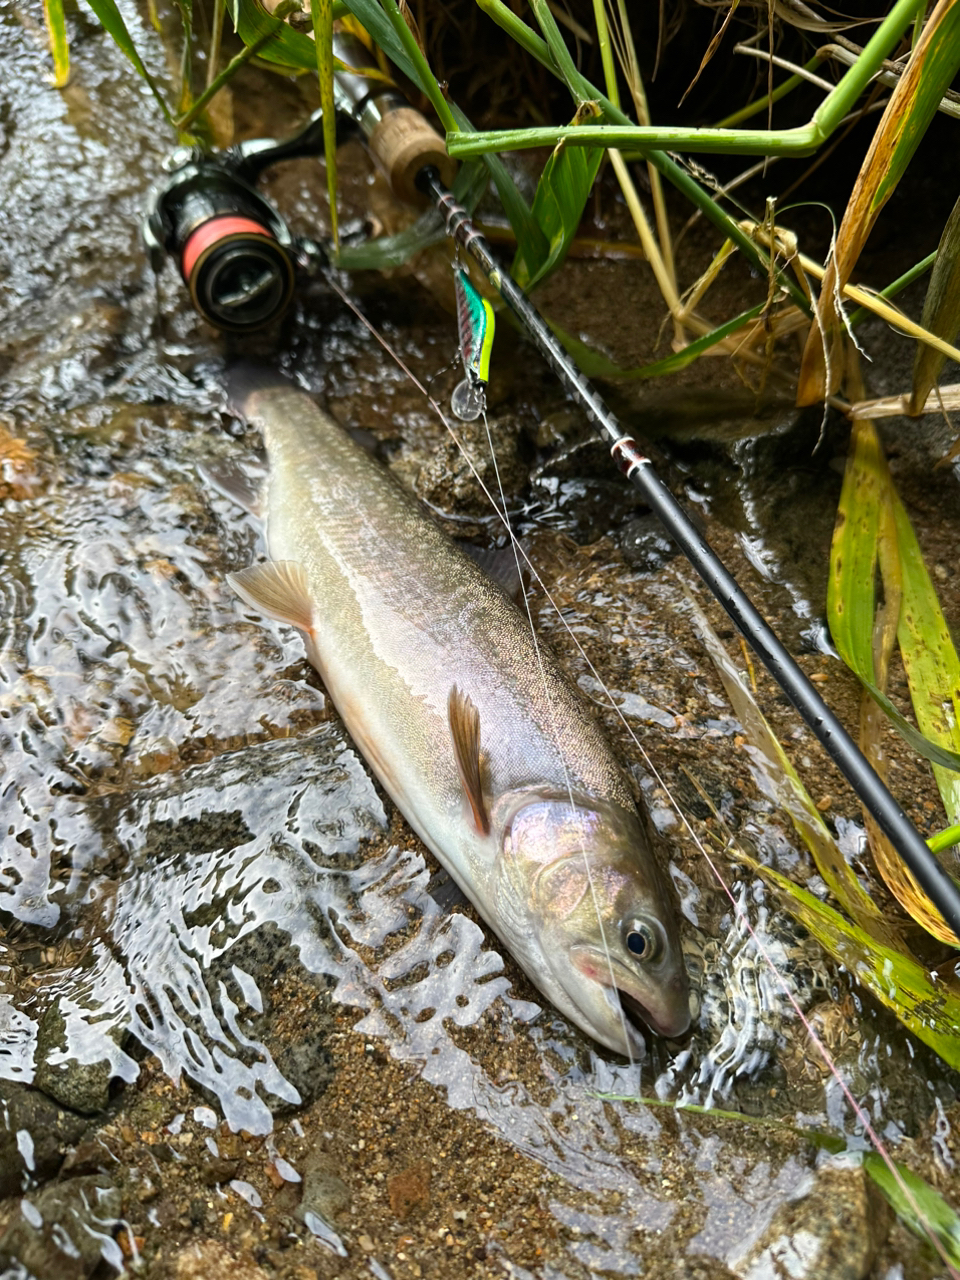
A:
(863, 939)
(873, 530)
(440, 999)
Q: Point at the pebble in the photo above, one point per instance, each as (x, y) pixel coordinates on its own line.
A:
(326, 1195)
(409, 1189)
(210, 1260)
(81, 1086)
(51, 1128)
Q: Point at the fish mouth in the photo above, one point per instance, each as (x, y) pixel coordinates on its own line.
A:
(664, 1010)
(642, 1019)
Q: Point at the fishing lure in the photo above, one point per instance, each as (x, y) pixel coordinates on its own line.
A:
(475, 320)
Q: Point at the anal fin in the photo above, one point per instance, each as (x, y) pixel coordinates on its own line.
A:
(464, 721)
(279, 589)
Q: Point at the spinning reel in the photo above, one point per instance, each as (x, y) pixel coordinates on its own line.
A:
(236, 254)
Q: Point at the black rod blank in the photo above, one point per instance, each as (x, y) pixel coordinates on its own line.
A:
(833, 737)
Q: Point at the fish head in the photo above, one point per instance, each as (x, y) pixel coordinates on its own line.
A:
(604, 920)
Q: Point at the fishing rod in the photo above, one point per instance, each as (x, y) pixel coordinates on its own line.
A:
(239, 261)
(639, 470)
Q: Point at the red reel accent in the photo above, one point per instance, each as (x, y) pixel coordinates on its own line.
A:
(211, 233)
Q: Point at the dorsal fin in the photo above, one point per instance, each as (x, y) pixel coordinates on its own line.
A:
(464, 721)
(279, 589)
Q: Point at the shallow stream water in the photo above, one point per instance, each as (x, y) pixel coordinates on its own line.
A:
(248, 1027)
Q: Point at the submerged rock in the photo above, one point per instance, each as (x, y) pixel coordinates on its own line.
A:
(65, 1231)
(81, 1086)
(325, 1195)
(34, 1136)
(446, 478)
(209, 1260)
(833, 1226)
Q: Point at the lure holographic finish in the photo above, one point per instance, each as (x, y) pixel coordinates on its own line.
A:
(476, 324)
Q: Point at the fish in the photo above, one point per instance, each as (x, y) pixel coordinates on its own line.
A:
(488, 750)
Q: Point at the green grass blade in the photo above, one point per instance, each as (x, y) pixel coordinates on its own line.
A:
(596, 365)
(851, 587)
(782, 783)
(518, 31)
(185, 99)
(110, 18)
(275, 42)
(930, 659)
(559, 52)
(606, 52)
(941, 310)
(321, 12)
(802, 140)
(929, 1009)
(935, 1214)
(947, 839)
(565, 184)
(423, 74)
(216, 41)
(59, 48)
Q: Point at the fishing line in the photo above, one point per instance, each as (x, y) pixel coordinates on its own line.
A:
(515, 543)
(639, 471)
(740, 914)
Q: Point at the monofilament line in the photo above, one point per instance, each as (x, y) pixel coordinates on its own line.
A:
(742, 917)
(515, 544)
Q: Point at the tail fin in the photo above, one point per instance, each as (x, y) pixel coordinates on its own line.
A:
(245, 379)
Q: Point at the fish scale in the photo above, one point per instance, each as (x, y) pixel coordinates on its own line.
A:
(521, 793)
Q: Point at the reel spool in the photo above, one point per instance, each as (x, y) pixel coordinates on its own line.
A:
(235, 253)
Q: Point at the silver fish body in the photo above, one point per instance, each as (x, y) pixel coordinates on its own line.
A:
(479, 738)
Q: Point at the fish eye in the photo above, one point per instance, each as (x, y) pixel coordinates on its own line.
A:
(642, 941)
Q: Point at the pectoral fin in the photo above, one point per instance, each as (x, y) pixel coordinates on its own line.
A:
(236, 484)
(464, 721)
(279, 589)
